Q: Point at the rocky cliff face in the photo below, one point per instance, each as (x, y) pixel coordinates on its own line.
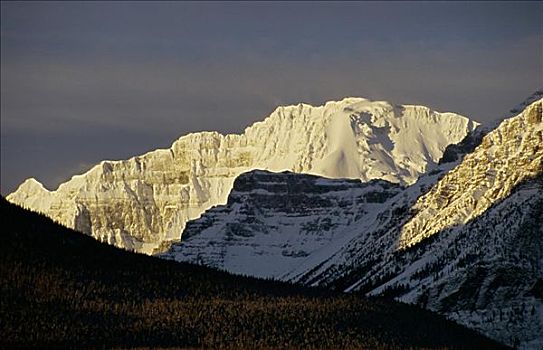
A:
(145, 201)
(274, 221)
(507, 156)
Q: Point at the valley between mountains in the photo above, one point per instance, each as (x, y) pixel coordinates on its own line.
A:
(355, 196)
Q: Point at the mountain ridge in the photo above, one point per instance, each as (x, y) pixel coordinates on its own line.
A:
(144, 202)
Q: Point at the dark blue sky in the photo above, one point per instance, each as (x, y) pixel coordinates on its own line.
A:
(87, 81)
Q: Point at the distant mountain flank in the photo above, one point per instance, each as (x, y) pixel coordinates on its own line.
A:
(143, 203)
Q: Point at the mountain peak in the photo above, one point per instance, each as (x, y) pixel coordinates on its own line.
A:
(32, 194)
(32, 182)
(31, 186)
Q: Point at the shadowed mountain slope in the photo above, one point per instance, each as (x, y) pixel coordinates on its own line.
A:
(60, 288)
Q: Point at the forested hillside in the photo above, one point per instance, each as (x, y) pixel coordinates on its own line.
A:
(60, 288)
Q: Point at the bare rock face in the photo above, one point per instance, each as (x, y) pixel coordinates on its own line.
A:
(273, 222)
(508, 155)
(144, 202)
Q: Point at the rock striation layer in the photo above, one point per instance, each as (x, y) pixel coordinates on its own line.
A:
(274, 221)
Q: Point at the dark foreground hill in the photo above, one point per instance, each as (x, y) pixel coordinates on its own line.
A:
(60, 288)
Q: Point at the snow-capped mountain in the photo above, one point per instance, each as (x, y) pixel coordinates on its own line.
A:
(144, 202)
(464, 240)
